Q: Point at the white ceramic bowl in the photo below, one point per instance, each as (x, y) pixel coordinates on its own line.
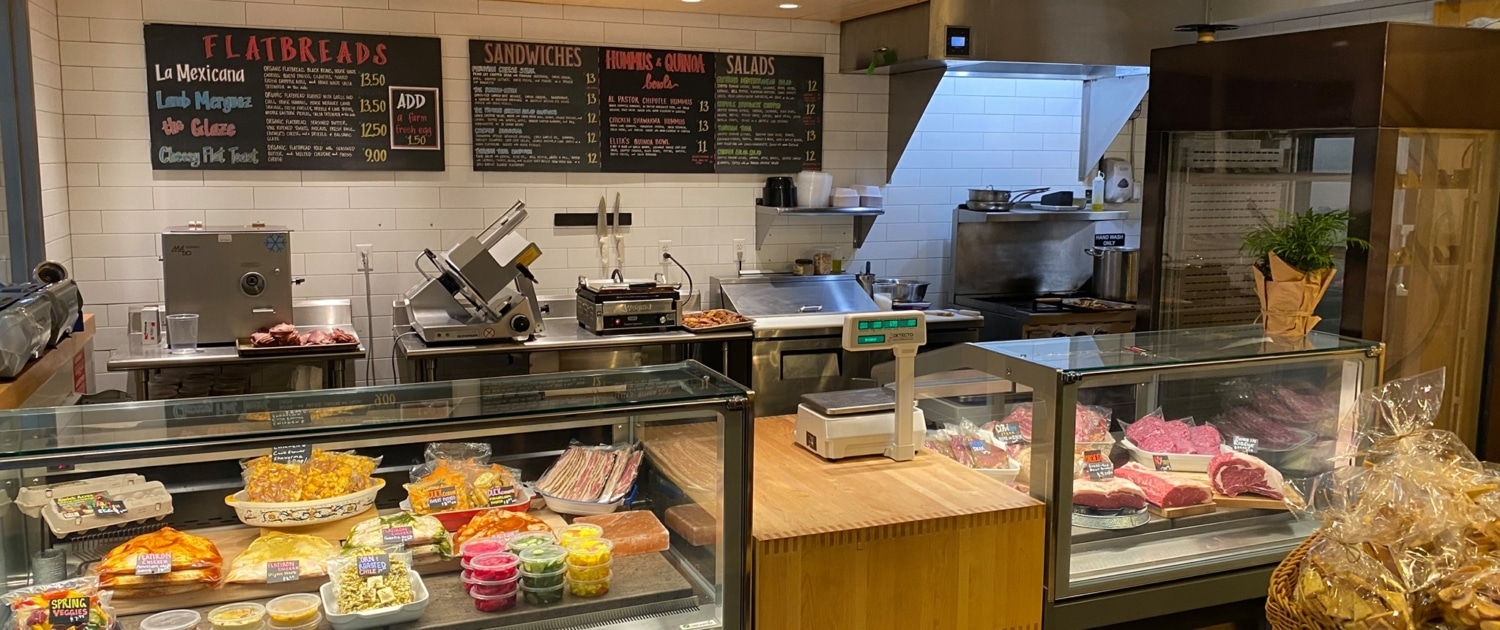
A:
(379, 617)
(299, 513)
(579, 508)
(1181, 462)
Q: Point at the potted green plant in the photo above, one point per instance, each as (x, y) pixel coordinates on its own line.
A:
(1294, 265)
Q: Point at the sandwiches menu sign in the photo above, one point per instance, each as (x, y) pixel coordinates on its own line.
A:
(224, 98)
(545, 107)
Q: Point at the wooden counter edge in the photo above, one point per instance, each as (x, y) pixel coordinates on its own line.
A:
(16, 391)
(1007, 505)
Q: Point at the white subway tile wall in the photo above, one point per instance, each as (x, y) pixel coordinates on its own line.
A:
(978, 132)
(95, 75)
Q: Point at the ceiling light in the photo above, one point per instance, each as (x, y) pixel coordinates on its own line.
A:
(692, 1)
(787, 6)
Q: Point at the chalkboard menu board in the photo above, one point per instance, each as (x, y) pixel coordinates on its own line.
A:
(536, 106)
(261, 99)
(769, 112)
(545, 107)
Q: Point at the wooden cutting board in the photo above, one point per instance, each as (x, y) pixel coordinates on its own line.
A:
(1179, 512)
(1244, 501)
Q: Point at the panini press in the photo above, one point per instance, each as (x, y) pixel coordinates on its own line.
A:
(607, 307)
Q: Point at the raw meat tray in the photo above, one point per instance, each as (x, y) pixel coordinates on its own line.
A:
(721, 327)
(1181, 462)
(248, 348)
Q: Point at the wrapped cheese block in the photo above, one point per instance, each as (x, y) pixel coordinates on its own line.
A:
(634, 532)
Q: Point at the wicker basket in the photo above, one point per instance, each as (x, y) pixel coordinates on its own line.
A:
(1281, 610)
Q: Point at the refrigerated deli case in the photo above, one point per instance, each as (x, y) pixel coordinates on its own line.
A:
(198, 449)
(1063, 402)
(1388, 122)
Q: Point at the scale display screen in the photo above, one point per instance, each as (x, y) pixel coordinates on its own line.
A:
(884, 331)
(888, 324)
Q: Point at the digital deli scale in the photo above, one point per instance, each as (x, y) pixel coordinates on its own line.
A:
(836, 425)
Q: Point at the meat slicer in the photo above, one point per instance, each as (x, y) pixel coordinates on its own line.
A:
(479, 290)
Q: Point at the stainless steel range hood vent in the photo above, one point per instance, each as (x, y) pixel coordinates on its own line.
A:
(1035, 39)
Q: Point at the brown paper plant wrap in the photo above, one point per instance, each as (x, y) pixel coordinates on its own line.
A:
(1295, 259)
(1289, 297)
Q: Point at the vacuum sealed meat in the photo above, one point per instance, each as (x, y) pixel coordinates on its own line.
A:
(1091, 424)
(1153, 433)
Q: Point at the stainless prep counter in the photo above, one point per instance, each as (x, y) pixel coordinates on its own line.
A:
(564, 346)
(156, 373)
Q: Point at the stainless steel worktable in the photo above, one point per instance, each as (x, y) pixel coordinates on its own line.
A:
(566, 346)
(330, 370)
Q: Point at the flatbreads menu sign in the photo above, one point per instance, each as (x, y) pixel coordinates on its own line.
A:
(548, 107)
(224, 98)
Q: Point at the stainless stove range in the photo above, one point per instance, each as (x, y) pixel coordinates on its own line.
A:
(1008, 318)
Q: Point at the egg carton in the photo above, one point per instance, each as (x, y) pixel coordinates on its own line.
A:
(89, 505)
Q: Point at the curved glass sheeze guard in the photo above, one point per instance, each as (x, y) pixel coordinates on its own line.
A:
(1064, 412)
(680, 533)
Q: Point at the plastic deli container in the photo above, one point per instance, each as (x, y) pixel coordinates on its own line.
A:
(529, 539)
(172, 620)
(543, 560)
(481, 546)
(591, 552)
(498, 566)
(542, 596)
(476, 586)
(579, 531)
(589, 588)
(588, 572)
(241, 616)
(294, 611)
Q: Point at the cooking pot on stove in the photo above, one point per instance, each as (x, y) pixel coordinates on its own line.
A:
(1116, 272)
(905, 290)
(990, 200)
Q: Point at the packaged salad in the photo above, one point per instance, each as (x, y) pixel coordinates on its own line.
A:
(78, 604)
(368, 578)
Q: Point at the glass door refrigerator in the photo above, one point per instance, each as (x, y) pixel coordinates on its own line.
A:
(1397, 124)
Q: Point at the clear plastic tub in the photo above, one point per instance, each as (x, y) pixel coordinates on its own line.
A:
(542, 596)
(589, 572)
(476, 586)
(496, 567)
(241, 616)
(589, 588)
(591, 552)
(480, 546)
(530, 539)
(294, 611)
(496, 603)
(544, 580)
(544, 559)
(172, 620)
(579, 531)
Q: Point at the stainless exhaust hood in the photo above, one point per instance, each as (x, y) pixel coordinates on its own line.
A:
(1093, 40)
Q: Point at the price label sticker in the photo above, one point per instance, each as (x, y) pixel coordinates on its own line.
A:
(1097, 466)
(107, 507)
(153, 564)
(292, 454)
(81, 505)
(68, 611)
(497, 496)
(278, 571)
(1247, 445)
(442, 498)
(1162, 462)
(373, 565)
(290, 418)
(1008, 433)
(396, 535)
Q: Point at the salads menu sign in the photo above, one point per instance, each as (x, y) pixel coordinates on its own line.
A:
(224, 98)
(548, 107)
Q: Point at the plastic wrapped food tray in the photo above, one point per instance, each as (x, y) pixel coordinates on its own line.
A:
(299, 513)
(1181, 462)
(144, 501)
(453, 521)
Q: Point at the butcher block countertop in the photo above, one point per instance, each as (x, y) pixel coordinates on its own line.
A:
(798, 493)
(835, 540)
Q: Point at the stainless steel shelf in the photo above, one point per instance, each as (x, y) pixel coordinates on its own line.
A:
(864, 219)
(1026, 215)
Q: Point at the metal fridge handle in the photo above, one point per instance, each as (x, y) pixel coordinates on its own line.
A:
(1093, 251)
(811, 308)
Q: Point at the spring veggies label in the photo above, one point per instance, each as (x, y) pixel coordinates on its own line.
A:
(292, 454)
(1246, 445)
(373, 565)
(153, 564)
(1162, 462)
(396, 535)
(442, 498)
(1008, 433)
(1097, 465)
(68, 611)
(278, 571)
(499, 496)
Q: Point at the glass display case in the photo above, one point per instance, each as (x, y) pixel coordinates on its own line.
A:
(1377, 120)
(135, 472)
(1231, 408)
